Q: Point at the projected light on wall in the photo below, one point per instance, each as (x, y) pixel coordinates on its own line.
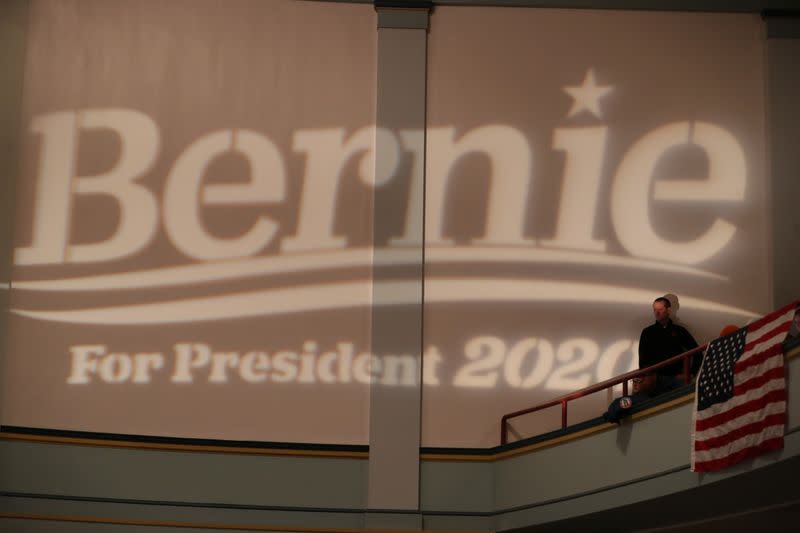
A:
(228, 265)
(627, 176)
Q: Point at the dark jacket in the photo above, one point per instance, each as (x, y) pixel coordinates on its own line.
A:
(658, 343)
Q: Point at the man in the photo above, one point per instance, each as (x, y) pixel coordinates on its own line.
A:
(660, 341)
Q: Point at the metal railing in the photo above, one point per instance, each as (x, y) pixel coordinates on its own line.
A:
(622, 378)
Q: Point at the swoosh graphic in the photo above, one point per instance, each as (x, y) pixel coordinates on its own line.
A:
(359, 294)
(354, 257)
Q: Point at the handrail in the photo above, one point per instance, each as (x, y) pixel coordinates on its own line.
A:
(622, 378)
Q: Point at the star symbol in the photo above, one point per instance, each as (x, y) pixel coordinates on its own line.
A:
(587, 96)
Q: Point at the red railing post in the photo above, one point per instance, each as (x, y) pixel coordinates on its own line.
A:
(625, 388)
(564, 413)
(503, 437)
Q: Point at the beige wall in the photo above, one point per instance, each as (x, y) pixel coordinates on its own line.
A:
(195, 236)
(290, 91)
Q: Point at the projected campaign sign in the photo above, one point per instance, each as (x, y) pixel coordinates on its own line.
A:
(195, 240)
(579, 180)
(165, 282)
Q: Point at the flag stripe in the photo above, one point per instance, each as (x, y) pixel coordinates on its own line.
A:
(772, 387)
(735, 412)
(717, 464)
(742, 443)
(766, 334)
(748, 360)
(747, 418)
(758, 381)
(757, 326)
(746, 374)
(757, 427)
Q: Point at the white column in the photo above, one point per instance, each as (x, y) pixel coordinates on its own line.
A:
(395, 410)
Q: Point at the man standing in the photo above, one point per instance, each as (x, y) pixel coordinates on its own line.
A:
(660, 341)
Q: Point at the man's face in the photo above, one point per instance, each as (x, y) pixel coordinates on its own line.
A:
(660, 312)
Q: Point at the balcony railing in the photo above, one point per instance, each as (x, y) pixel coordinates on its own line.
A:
(686, 357)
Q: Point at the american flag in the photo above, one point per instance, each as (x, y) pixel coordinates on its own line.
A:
(740, 404)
